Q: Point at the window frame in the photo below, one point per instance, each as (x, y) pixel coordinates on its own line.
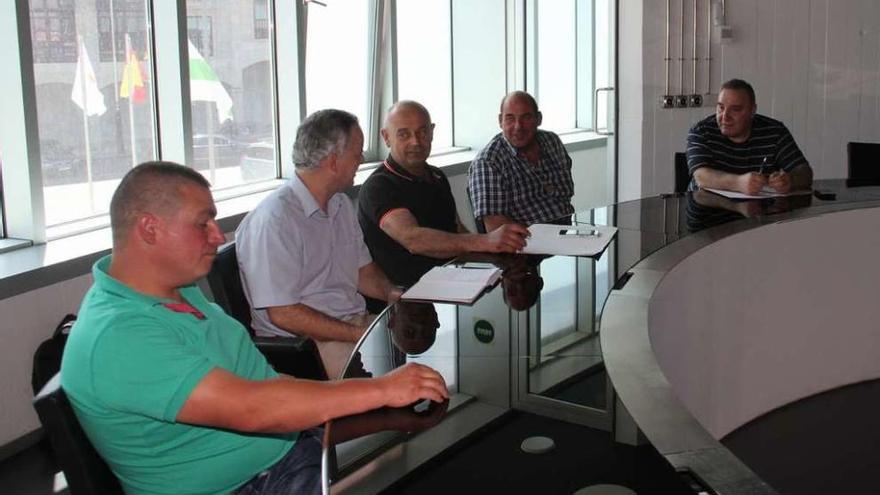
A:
(167, 40)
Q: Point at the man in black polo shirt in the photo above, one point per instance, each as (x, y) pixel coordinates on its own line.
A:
(406, 208)
(739, 150)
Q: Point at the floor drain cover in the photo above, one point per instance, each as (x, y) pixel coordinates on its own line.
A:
(537, 445)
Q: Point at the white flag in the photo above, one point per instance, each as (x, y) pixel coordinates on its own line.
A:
(204, 85)
(85, 92)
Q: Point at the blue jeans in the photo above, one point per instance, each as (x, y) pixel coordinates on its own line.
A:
(297, 473)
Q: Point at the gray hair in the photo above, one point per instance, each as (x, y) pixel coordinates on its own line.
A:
(320, 134)
(151, 187)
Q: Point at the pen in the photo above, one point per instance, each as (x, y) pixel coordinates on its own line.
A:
(764, 162)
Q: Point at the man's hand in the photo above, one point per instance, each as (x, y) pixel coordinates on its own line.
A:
(411, 383)
(751, 183)
(508, 238)
(394, 294)
(780, 181)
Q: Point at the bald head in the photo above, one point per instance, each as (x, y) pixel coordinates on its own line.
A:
(151, 187)
(404, 106)
(408, 133)
(519, 96)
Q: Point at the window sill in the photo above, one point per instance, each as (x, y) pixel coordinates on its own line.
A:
(25, 267)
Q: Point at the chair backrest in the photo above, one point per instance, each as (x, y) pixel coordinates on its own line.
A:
(225, 282)
(682, 174)
(85, 470)
(478, 222)
(863, 161)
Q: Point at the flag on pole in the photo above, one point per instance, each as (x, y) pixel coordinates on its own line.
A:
(204, 85)
(85, 92)
(132, 78)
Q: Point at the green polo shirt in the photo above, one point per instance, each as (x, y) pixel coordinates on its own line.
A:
(130, 364)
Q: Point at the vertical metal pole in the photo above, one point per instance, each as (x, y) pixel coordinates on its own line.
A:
(694, 58)
(709, 49)
(668, 60)
(681, 52)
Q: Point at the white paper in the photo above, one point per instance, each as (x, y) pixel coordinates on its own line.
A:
(547, 239)
(452, 283)
(767, 192)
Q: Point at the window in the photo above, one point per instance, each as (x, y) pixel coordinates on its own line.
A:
(555, 63)
(95, 119)
(116, 19)
(424, 61)
(93, 81)
(200, 31)
(261, 19)
(338, 66)
(53, 31)
(569, 59)
(603, 61)
(231, 87)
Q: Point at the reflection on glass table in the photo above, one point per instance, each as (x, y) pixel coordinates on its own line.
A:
(531, 335)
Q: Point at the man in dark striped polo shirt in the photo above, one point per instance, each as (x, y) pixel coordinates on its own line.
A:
(740, 150)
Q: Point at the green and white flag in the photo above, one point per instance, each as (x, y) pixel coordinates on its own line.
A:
(204, 85)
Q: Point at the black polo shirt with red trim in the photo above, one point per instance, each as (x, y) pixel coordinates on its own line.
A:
(429, 199)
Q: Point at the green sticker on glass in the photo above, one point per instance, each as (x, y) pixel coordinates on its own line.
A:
(483, 331)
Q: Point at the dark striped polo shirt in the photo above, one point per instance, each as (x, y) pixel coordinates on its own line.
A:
(769, 144)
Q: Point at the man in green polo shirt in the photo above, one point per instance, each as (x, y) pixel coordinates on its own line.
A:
(170, 389)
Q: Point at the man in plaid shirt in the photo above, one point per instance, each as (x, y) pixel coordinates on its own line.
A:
(524, 174)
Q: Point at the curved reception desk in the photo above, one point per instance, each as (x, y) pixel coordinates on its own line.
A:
(703, 317)
(734, 321)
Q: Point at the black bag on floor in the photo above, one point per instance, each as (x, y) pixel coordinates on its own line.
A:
(47, 358)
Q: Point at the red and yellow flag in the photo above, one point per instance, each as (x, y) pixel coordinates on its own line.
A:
(132, 78)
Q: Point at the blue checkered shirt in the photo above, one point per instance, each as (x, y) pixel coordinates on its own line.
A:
(501, 182)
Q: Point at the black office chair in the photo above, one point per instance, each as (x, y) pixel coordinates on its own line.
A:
(682, 174)
(863, 161)
(85, 470)
(293, 356)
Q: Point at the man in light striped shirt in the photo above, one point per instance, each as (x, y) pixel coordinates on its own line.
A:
(740, 150)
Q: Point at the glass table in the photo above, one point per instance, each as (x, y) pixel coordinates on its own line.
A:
(529, 343)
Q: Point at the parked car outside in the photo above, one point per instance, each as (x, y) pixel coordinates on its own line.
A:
(258, 162)
(61, 164)
(227, 151)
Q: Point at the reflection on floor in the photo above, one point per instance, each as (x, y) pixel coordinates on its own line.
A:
(587, 389)
(827, 443)
(494, 463)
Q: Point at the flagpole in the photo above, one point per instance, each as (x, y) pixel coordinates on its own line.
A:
(210, 117)
(128, 50)
(80, 66)
(131, 132)
(117, 120)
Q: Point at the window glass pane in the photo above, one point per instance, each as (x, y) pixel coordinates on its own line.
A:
(556, 63)
(94, 105)
(231, 87)
(424, 61)
(337, 57)
(603, 58)
(261, 19)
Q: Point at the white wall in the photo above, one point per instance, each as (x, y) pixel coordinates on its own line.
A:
(814, 64)
(28, 319)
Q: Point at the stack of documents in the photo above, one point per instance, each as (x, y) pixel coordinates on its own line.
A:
(766, 192)
(457, 284)
(569, 240)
